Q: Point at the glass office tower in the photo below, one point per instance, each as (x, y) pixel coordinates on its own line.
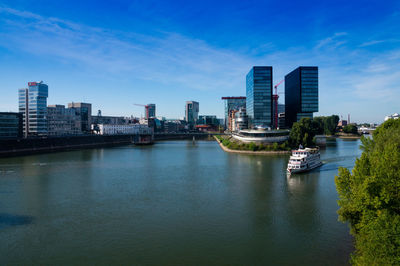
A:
(191, 112)
(259, 96)
(301, 94)
(151, 110)
(33, 106)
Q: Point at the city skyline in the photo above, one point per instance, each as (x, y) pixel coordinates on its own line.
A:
(125, 53)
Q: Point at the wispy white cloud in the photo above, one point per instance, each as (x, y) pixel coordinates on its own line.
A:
(369, 43)
(171, 58)
(333, 41)
(193, 64)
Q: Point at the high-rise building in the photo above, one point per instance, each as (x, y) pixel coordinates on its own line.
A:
(10, 125)
(233, 104)
(33, 106)
(191, 112)
(301, 94)
(84, 110)
(150, 110)
(259, 96)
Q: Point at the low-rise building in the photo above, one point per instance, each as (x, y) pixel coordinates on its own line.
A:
(261, 136)
(111, 120)
(125, 129)
(85, 112)
(208, 120)
(63, 121)
(10, 125)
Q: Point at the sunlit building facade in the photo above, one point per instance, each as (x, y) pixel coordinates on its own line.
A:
(259, 96)
(32, 103)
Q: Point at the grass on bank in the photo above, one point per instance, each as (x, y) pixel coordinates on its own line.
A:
(228, 142)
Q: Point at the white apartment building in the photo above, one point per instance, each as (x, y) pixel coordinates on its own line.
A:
(126, 129)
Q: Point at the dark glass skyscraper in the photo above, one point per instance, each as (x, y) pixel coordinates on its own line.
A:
(259, 96)
(301, 94)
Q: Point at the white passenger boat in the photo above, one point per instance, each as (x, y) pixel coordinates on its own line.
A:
(303, 160)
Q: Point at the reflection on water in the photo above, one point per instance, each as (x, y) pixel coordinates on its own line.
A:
(176, 202)
(7, 219)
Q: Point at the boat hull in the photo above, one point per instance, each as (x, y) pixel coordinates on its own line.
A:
(299, 170)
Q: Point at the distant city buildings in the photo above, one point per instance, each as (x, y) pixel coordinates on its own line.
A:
(301, 94)
(259, 96)
(10, 125)
(208, 120)
(191, 112)
(62, 121)
(393, 116)
(84, 110)
(342, 123)
(126, 129)
(32, 104)
(233, 104)
(110, 120)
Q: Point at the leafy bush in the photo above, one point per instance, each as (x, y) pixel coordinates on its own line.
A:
(275, 146)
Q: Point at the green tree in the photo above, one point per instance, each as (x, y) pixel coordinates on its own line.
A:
(330, 123)
(369, 198)
(352, 129)
(303, 132)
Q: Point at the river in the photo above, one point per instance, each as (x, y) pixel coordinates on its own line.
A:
(173, 203)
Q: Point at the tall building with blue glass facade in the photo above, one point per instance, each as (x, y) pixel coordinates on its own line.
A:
(301, 94)
(259, 96)
(33, 106)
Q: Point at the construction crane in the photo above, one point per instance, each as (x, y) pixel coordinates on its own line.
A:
(275, 98)
(146, 108)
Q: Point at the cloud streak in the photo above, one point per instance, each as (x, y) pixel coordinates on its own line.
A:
(171, 58)
(187, 63)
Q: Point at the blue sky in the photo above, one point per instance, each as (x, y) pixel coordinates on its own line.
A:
(116, 53)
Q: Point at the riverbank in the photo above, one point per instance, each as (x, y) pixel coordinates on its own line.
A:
(347, 136)
(226, 149)
(17, 147)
